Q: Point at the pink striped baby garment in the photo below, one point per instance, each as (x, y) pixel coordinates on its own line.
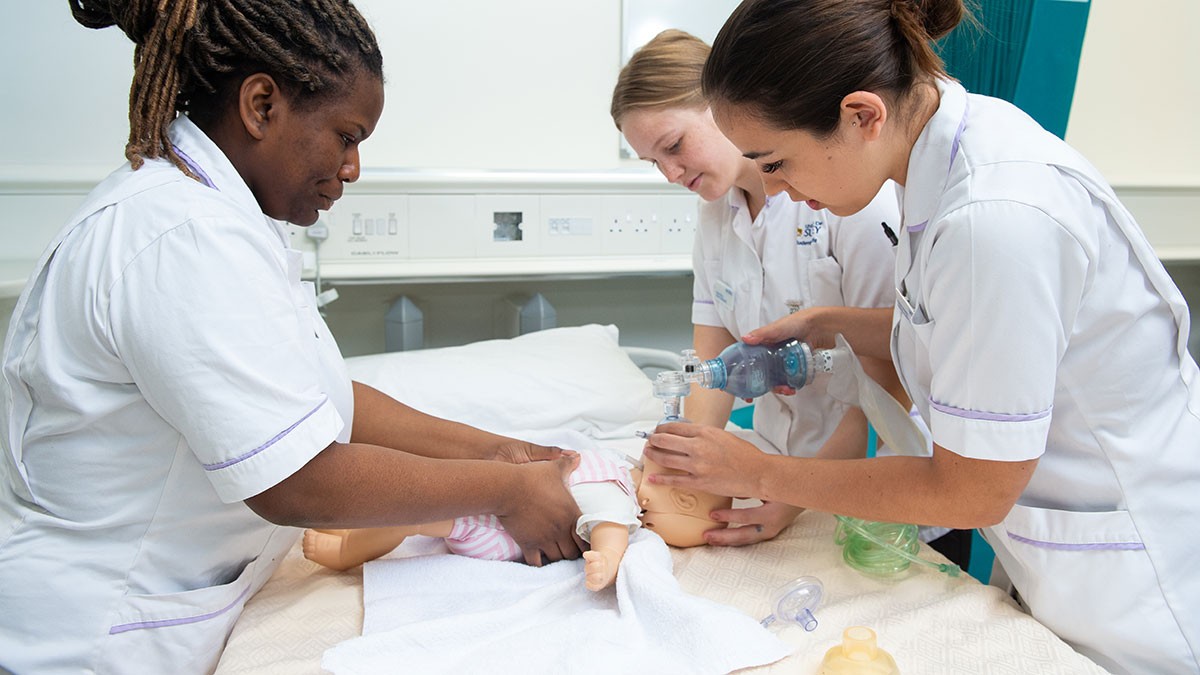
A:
(484, 538)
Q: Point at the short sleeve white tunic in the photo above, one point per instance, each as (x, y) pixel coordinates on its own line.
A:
(1034, 321)
(164, 363)
(749, 273)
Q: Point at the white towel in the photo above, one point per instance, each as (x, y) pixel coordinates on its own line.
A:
(451, 614)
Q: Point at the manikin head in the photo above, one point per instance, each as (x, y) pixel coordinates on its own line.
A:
(657, 105)
(678, 515)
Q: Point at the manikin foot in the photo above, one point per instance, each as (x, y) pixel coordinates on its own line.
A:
(600, 568)
(324, 549)
(340, 551)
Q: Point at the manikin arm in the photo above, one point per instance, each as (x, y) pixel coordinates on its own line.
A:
(609, 541)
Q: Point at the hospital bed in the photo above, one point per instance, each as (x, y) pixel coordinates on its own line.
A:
(580, 378)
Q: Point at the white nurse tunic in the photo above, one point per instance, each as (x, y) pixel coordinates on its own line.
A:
(164, 363)
(749, 273)
(1034, 321)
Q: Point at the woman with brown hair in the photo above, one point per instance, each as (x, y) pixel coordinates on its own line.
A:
(1034, 328)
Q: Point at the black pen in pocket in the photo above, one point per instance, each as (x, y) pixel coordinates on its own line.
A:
(890, 235)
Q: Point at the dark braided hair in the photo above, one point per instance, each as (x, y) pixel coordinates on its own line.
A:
(192, 55)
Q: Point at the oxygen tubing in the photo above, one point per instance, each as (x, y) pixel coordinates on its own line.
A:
(883, 549)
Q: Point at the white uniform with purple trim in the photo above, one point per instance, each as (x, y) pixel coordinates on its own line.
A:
(164, 363)
(747, 273)
(1034, 321)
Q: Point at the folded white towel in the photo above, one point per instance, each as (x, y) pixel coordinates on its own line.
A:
(451, 614)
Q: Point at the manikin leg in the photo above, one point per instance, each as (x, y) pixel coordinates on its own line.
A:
(343, 549)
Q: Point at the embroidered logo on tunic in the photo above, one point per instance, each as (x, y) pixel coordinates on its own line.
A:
(806, 235)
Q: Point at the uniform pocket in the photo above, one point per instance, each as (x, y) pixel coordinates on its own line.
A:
(1087, 576)
(174, 632)
(724, 295)
(825, 283)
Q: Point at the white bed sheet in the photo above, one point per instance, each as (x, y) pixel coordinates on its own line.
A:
(929, 622)
(580, 378)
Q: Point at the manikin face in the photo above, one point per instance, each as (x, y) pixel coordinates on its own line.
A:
(838, 173)
(678, 515)
(687, 148)
(308, 155)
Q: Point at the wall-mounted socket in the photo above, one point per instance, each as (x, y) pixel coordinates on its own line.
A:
(630, 225)
(506, 226)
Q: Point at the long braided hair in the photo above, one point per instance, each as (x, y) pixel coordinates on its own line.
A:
(192, 55)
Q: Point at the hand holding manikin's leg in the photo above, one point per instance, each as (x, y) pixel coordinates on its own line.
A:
(344, 549)
(609, 541)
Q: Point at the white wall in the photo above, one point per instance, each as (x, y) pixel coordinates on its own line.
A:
(525, 84)
(1137, 92)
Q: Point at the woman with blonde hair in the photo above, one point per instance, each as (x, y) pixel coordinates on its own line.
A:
(758, 256)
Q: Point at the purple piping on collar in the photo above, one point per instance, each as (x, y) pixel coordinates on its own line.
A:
(703, 302)
(1114, 546)
(264, 446)
(194, 167)
(992, 417)
(163, 623)
(962, 125)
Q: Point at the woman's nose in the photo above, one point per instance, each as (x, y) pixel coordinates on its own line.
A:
(671, 171)
(350, 169)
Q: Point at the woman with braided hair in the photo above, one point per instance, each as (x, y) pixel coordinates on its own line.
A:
(1034, 328)
(171, 395)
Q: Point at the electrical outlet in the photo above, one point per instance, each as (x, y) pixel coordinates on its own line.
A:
(680, 213)
(630, 225)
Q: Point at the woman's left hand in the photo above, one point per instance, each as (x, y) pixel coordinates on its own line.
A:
(751, 525)
(712, 460)
(514, 451)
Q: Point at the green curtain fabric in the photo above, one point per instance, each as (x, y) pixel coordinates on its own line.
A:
(1023, 51)
(986, 58)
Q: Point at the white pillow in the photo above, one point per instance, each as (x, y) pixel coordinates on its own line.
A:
(575, 378)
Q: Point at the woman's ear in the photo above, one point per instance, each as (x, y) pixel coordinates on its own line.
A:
(257, 98)
(864, 113)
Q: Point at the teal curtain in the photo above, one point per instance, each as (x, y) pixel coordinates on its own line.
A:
(1023, 51)
(986, 57)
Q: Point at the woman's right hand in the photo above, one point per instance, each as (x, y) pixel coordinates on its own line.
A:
(803, 325)
(867, 329)
(541, 514)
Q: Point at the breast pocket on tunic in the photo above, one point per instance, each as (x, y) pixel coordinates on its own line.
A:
(175, 632)
(1087, 576)
(825, 283)
(725, 296)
